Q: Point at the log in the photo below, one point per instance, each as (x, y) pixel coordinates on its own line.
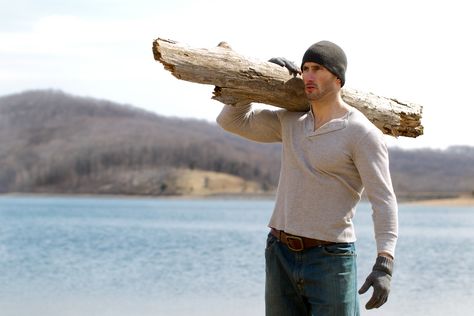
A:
(239, 79)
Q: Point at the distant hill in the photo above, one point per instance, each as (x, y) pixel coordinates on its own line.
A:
(425, 173)
(53, 142)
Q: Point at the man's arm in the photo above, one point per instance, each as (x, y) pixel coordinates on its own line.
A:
(259, 125)
(371, 159)
(372, 162)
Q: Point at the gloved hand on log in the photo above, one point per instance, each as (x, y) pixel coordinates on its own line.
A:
(291, 66)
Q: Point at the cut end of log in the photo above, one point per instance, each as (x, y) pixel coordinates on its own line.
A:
(157, 53)
(410, 125)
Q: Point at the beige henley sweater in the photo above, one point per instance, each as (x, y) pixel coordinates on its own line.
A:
(324, 172)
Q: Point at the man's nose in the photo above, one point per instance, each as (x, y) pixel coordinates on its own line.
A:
(309, 76)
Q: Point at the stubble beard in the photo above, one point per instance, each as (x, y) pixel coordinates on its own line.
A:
(319, 93)
(316, 95)
(313, 96)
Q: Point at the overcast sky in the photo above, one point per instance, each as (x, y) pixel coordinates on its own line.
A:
(418, 51)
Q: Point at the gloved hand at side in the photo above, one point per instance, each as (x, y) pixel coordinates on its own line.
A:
(291, 66)
(379, 279)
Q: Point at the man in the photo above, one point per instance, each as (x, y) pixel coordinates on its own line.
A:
(329, 155)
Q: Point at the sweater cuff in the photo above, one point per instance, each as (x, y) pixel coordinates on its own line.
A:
(383, 264)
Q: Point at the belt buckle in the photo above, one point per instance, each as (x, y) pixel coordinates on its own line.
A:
(289, 238)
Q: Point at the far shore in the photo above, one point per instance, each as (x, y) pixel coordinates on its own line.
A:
(455, 201)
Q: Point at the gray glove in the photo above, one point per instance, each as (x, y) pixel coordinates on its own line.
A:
(379, 279)
(282, 61)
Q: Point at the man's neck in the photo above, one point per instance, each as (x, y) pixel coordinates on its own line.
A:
(327, 109)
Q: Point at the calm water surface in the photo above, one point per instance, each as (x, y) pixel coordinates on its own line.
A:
(102, 256)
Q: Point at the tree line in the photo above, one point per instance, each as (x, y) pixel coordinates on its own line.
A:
(52, 141)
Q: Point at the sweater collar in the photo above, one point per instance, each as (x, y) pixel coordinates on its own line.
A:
(331, 126)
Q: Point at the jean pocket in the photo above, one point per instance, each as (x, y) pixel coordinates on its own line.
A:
(340, 249)
(270, 241)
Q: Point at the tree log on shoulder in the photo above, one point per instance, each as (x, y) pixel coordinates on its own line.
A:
(240, 79)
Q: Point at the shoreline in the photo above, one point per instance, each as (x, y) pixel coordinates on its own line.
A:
(451, 201)
(225, 196)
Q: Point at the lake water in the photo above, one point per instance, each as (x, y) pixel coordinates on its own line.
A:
(63, 256)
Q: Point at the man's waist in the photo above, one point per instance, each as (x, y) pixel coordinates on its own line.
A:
(298, 243)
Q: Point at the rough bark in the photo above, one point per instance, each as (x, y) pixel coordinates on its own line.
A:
(240, 79)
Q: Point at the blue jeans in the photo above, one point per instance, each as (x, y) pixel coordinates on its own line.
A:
(320, 281)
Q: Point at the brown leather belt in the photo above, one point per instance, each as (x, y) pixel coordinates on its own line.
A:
(298, 243)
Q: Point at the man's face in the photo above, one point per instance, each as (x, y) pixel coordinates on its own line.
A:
(318, 81)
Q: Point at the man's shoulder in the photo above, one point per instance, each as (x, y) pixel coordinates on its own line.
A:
(363, 131)
(359, 123)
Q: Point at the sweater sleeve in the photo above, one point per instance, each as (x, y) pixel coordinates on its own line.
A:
(259, 125)
(372, 162)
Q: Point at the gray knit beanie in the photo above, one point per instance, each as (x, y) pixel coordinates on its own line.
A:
(330, 56)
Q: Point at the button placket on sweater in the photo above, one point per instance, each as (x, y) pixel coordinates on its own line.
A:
(331, 126)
